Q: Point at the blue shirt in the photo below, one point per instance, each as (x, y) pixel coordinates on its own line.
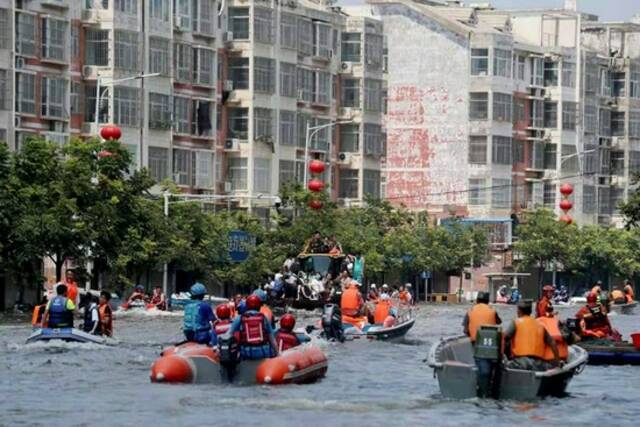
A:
(206, 312)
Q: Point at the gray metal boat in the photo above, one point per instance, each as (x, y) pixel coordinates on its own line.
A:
(453, 363)
(627, 308)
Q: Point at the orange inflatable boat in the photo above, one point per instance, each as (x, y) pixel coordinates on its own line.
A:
(198, 363)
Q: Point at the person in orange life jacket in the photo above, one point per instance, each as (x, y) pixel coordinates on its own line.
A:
(480, 314)
(351, 303)
(198, 316)
(594, 323)
(222, 324)
(285, 337)
(72, 286)
(91, 316)
(59, 311)
(541, 307)
(527, 340)
(404, 295)
(105, 314)
(158, 298)
(618, 297)
(38, 312)
(257, 339)
(628, 291)
(553, 326)
(383, 309)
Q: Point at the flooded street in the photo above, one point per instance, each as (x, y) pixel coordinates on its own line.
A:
(368, 383)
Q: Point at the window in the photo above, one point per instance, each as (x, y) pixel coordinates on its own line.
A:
(521, 65)
(287, 172)
(478, 149)
(159, 111)
(617, 123)
(183, 14)
(263, 25)
(605, 82)
(551, 114)
(373, 95)
(351, 93)
(371, 183)
(322, 40)
(590, 119)
(350, 138)
(261, 175)
(306, 85)
(479, 62)
(53, 97)
(239, 123)
(519, 110)
(288, 31)
(320, 141)
(569, 115)
(288, 80)
(182, 166)
(3, 135)
(617, 197)
(74, 98)
(634, 123)
(605, 122)
(373, 46)
(536, 155)
(54, 32)
(537, 113)
(96, 4)
(550, 156)
(301, 124)
(348, 184)
(634, 84)
(592, 82)
(159, 9)
(4, 29)
(590, 163)
(287, 128)
(203, 167)
(478, 105)
(239, 23)
(129, 7)
(501, 193)
(159, 163)
(96, 50)
(617, 162)
(569, 161)
(502, 63)
(75, 42)
(618, 84)
(373, 145)
(502, 107)
(550, 73)
(634, 161)
(501, 150)
(238, 173)
(323, 88)
(126, 51)
(588, 199)
(537, 71)
(477, 192)
(203, 63)
(181, 122)
(239, 73)
(568, 74)
(203, 15)
(264, 74)
(90, 106)
(5, 86)
(549, 197)
(126, 106)
(305, 37)
(159, 55)
(351, 43)
(25, 34)
(263, 123)
(201, 114)
(25, 93)
(604, 198)
(518, 151)
(183, 57)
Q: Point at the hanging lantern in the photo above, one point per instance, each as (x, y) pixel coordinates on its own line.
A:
(316, 166)
(315, 185)
(565, 205)
(315, 204)
(566, 219)
(566, 189)
(110, 132)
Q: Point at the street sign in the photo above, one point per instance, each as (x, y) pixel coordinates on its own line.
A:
(240, 244)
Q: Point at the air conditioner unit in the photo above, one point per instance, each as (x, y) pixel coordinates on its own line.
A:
(182, 23)
(227, 36)
(19, 62)
(227, 85)
(232, 145)
(89, 71)
(227, 187)
(344, 158)
(347, 67)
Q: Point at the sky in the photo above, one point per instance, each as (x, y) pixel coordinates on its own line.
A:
(607, 10)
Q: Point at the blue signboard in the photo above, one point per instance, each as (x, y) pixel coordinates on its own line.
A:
(240, 244)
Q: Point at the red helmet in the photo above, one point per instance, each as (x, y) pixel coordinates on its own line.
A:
(592, 298)
(223, 311)
(288, 322)
(253, 302)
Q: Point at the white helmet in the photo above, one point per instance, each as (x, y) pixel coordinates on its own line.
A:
(373, 286)
(385, 286)
(408, 285)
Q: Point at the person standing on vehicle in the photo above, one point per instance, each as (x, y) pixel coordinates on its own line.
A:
(59, 311)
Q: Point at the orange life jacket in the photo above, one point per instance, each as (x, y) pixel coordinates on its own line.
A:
(541, 307)
(617, 294)
(38, 311)
(630, 294)
(264, 309)
(528, 339)
(72, 292)
(382, 311)
(405, 297)
(286, 340)
(480, 314)
(552, 326)
(106, 320)
(351, 301)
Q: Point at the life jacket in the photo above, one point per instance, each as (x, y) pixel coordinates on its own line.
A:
(480, 314)
(59, 316)
(264, 309)
(541, 307)
(193, 321)
(38, 311)
(221, 326)
(528, 341)
(88, 323)
(629, 291)
(618, 295)
(156, 299)
(382, 311)
(106, 320)
(552, 326)
(350, 302)
(286, 340)
(252, 330)
(596, 320)
(405, 297)
(72, 291)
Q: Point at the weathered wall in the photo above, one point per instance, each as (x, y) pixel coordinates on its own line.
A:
(427, 111)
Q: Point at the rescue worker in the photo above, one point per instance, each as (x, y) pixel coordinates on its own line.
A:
(480, 314)
(382, 311)
(553, 327)
(547, 295)
(385, 290)
(373, 293)
(597, 289)
(59, 311)
(72, 286)
(628, 291)
(351, 302)
(285, 337)
(158, 299)
(198, 316)
(222, 324)
(105, 314)
(527, 340)
(38, 311)
(257, 339)
(618, 297)
(264, 308)
(594, 323)
(91, 316)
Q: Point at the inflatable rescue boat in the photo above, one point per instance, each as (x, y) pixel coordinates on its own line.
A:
(199, 364)
(64, 334)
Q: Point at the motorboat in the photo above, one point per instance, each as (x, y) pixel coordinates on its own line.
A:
(179, 300)
(452, 360)
(65, 334)
(611, 353)
(627, 308)
(379, 332)
(339, 327)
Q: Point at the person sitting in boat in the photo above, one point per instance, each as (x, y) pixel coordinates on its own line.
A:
(597, 289)
(285, 337)
(198, 316)
(553, 326)
(404, 295)
(385, 291)
(351, 303)
(594, 322)
(628, 291)
(257, 340)
(617, 296)
(547, 294)
(91, 316)
(373, 295)
(222, 323)
(59, 311)
(105, 314)
(384, 313)
(158, 299)
(264, 308)
(480, 314)
(136, 295)
(527, 340)
(38, 311)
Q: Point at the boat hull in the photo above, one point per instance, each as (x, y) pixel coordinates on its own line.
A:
(376, 332)
(628, 308)
(614, 354)
(64, 334)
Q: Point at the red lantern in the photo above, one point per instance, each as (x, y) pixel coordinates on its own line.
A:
(110, 132)
(316, 185)
(565, 205)
(566, 189)
(316, 166)
(315, 204)
(566, 219)
(104, 153)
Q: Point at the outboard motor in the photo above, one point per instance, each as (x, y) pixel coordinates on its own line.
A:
(332, 322)
(228, 350)
(488, 353)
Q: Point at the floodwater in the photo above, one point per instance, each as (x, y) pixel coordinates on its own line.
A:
(368, 383)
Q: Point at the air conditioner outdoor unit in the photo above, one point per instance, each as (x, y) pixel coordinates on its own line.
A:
(19, 62)
(347, 67)
(227, 36)
(232, 145)
(88, 71)
(344, 158)
(227, 85)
